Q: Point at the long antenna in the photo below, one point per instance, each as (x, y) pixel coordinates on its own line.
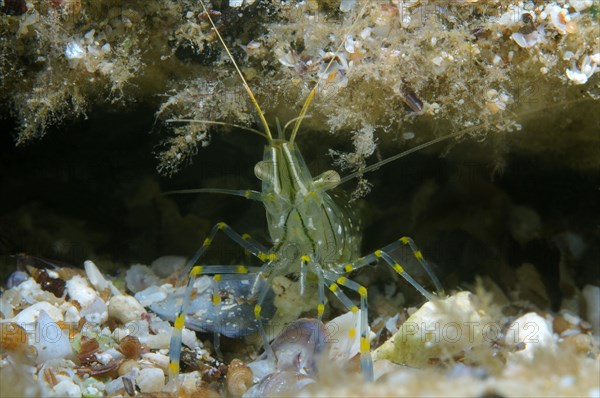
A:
(245, 83)
(237, 126)
(383, 162)
(314, 90)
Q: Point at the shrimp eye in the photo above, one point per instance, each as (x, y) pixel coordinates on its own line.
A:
(262, 170)
(327, 180)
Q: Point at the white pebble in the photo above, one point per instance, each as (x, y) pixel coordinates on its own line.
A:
(30, 314)
(150, 380)
(366, 32)
(6, 308)
(72, 314)
(90, 34)
(557, 16)
(67, 388)
(113, 386)
(576, 76)
(160, 360)
(580, 5)
(437, 60)
(156, 341)
(166, 265)
(139, 277)
(74, 51)
(347, 5)
(125, 308)
(439, 328)
(80, 291)
(96, 312)
(94, 275)
(567, 381)
(189, 338)
(591, 295)
(151, 295)
(30, 291)
(533, 331)
(525, 41)
(50, 341)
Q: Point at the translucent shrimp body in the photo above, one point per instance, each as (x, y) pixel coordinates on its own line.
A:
(312, 238)
(301, 216)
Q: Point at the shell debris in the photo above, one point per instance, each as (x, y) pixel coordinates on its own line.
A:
(98, 355)
(89, 331)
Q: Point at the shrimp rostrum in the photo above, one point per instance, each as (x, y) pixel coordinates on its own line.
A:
(312, 238)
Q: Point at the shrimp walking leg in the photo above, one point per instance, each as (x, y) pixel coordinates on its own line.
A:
(196, 270)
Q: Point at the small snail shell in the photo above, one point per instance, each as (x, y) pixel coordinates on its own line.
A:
(239, 378)
(130, 346)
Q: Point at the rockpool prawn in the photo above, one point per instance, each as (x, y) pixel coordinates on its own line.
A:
(313, 238)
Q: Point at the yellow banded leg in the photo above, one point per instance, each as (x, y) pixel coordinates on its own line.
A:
(216, 300)
(382, 254)
(303, 273)
(366, 361)
(247, 254)
(400, 270)
(268, 277)
(321, 290)
(247, 244)
(261, 330)
(176, 337)
(406, 241)
(304, 267)
(195, 270)
(264, 273)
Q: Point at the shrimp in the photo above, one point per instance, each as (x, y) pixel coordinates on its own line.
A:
(312, 236)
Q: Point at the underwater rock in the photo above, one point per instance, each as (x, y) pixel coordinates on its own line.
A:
(66, 388)
(591, 295)
(96, 313)
(30, 291)
(125, 309)
(140, 277)
(151, 295)
(50, 341)
(439, 330)
(530, 333)
(95, 276)
(150, 380)
(16, 278)
(167, 265)
(80, 290)
(31, 314)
